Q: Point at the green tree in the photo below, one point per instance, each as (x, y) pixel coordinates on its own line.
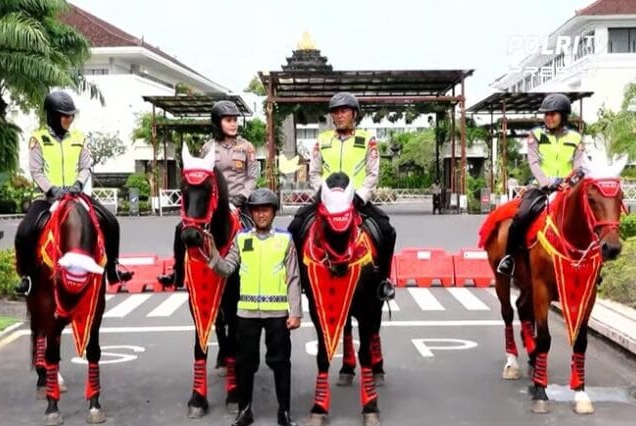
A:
(254, 131)
(255, 86)
(616, 131)
(104, 146)
(37, 52)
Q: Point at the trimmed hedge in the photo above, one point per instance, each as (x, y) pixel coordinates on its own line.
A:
(619, 276)
(8, 276)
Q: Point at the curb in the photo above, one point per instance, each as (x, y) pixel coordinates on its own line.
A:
(9, 329)
(606, 314)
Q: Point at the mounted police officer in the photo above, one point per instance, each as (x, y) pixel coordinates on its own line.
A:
(60, 162)
(554, 151)
(354, 152)
(235, 158)
(269, 299)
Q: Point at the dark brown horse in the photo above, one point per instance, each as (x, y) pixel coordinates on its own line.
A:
(70, 289)
(577, 233)
(340, 279)
(207, 220)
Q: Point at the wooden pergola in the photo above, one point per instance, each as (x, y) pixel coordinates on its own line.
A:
(195, 107)
(376, 90)
(517, 103)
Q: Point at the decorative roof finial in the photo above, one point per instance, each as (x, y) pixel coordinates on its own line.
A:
(306, 42)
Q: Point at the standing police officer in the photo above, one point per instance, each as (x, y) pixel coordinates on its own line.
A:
(554, 151)
(269, 299)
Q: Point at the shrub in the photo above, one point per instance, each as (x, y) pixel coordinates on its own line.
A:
(619, 283)
(139, 181)
(8, 275)
(628, 226)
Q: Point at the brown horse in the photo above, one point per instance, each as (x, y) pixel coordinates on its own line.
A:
(69, 289)
(566, 248)
(207, 220)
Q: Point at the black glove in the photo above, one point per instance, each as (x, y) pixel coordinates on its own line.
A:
(76, 189)
(238, 201)
(56, 192)
(554, 185)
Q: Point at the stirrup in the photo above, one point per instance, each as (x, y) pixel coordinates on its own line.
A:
(28, 290)
(500, 269)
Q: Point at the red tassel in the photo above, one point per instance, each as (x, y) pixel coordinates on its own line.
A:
(376, 349)
(527, 331)
(367, 390)
(577, 374)
(52, 385)
(200, 378)
(511, 346)
(349, 355)
(541, 370)
(92, 380)
(230, 379)
(323, 395)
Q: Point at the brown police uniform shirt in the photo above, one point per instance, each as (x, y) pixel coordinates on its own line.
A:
(235, 158)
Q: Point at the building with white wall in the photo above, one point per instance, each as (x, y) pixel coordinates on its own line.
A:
(595, 50)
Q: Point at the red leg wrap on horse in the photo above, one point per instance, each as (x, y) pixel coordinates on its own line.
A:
(52, 385)
(511, 346)
(376, 349)
(92, 381)
(323, 395)
(577, 375)
(349, 355)
(230, 379)
(200, 378)
(541, 370)
(40, 346)
(527, 330)
(367, 390)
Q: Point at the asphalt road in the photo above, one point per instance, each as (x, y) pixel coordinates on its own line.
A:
(443, 355)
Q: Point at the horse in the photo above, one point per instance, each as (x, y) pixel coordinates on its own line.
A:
(567, 246)
(339, 277)
(70, 288)
(207, 220)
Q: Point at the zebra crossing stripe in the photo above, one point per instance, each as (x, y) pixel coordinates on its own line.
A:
(393, 304)
(425, 299)
(170, 305)
(127, 306)
(468, 299)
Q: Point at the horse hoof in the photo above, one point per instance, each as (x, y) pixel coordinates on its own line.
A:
(316, 419)
(371, 419)
(344, 379)
(540, 406)
(40, 394)
(511, 373)
(95, 415)
(378, 378)
(53, 419)
(582, 403)
(196, 412)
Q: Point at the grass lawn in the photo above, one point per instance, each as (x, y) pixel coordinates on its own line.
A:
(6, 322)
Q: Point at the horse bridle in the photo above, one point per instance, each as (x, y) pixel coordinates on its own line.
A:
(197, 177)
(608, 188)
(338, 222)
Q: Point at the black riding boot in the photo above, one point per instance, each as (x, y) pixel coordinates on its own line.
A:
(244, 417)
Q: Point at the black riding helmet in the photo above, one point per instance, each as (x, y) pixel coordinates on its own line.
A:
(263, 197)
(556, 102)
(57, 104)
(219, 110)
(344, 99)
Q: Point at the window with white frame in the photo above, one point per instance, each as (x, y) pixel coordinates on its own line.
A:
(621, 40)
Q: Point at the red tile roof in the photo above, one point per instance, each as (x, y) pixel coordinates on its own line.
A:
(100, 33)
(609, 7)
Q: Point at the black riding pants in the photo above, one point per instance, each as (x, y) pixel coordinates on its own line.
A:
(533, 202)
(277, 357)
